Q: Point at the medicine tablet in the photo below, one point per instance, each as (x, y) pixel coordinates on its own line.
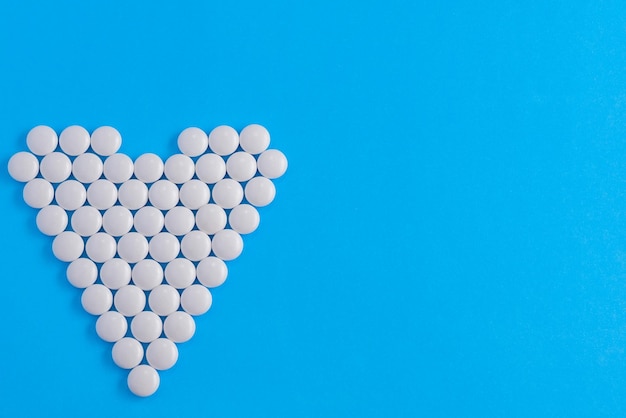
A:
(42, 140)
(196, 245)
(179, 220)
(52, 220)
(212, 272)
(100, 247)
(102, 194)
(254, 139)
(143, 380)
(272, 164)
(106, 140)
(67, 246)
(163, 195)
(180, 273)
(133, 194)
(146, 326)
(111, 326)
(96, 299)
(211, 219)
(227, 193)
(38, 193)
(179, 327)
(193, 142)
(82, 273)
(23, 166)
(71, 195)
(162, 354)
(164, 247)
(194, 194)
(55, 167)
(147, 274)
(117, 221)
(129, 300)
(118, 168)
(133, 247)
(227, 244)
(86, 221)
(179, 168)
(210, 168)
(87, 168)
(74, 140)
(223, 140)
(241, 166)
(149, 221)
(196, 300)
(244, 219)
(164, 300)
(127, 353)
(115, 273)
(260, 191)
(148, 168)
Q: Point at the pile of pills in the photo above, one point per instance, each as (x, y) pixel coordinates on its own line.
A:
(146, 240)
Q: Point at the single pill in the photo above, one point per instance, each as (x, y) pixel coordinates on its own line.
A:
(148, 168)
(129, 300)
(210, 168)
(162, 354)
(133, 194)
(118, 168)
(194, 194)
(164, 300)
(223, 140)
(149, 221)
(74, 140)
(196, 245)
(87, 168)
(179, 327)
(180, 273)
(272, 163)
(102, 194)
(23, 166)
(52, 220)
(179, 168)
(227, 193)
(212, 272)
(146, 326)
(254, 139)
(210, 219)
(115, 273)
(71, 195)
(67, 246)
(38, 193)
(127, 352)
(163, 195)
(164, 247)
(96, 299)
(179, 220)
(193, 142)
(55, 167)
(111, 326)
(196, 300)
(86, 221)
(106, 140)
(260, 191)
(42, 140)
(82, 273)
(117, 221)
(227, 244)
(241, 166)
(147, 274)
(100, 247)
(143, 380)
(244, 219)
(133, 247)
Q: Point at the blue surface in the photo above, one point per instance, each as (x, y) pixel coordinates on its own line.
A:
(448, 240)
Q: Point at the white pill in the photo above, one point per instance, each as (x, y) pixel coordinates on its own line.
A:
(106, 140)
(164, 247)
(227, 244)
(223, 140)
(179, 220)
(100, 247)
(55, 167)
(254, 139)
(129, 300)
(117, 221)
(194, 194)
(162, 354)
(148, 168)
(118, 168)
(23, 166)
(82, 273)
(52, 220)
(86, 221)
(133, 194)
(42, 140)
(241, 166)
(74, 140)
(70, 195)
(196, 300)
(179, 168)
(143, 380)
(227, 193)
(163, 195)
(212, 272)
(111, 326)
(196, 245)
(102, 194)
(272, 163)
(115, 273)
(67, 246)
(210, 168)
(164, 299)
(149, 221)
(179, 327)
(127, 353)
(132, 247)
(193, 142)
(87, 168)
(96, 299)
(180, 273)
(38, 193)
(260, 191)
(244, 219)
(146, 326)
(147, 274)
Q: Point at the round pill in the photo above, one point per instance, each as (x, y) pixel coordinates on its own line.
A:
(241, 166)
(133, 194)
(149, 221)
(254, 139)
(55, 167)
(163, 195)
(162, 354)
(146, 326)
(227, 244)
(52, 220)
(115, 273)
(132, 247)
(74, 140)
(96, 299)
(111, 326)
(193, 142)
(87, 168)
(212, 272)
(71, 195)
(227, 193)
(164, 300)
(210, 168)
(129, 300)
(194, 194)
(196, 245)
(143, 380)
(100, 247)
(127, 352)
(42, 140)
(106, 140)
(244, 219)
(179, 220)
(67, 246)
(117, 221)
(148, 168)
(82, 273)
(211, 219)
(86, 221)
(147, 274)
(164, 247)
(223, 140)
(38, 193)
(272, 163)
(118, 168)
(260, 191)
(180, 273)
(102, 194)
(179, 168)
(23, 166)
(179, 327)
(196, 300)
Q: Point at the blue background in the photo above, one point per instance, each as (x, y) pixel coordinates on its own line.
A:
(449, 237)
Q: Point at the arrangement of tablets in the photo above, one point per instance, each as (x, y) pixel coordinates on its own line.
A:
(146, 240)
